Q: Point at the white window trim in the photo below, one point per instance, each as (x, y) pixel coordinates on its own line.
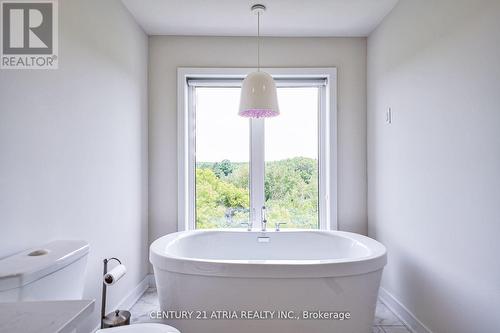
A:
(327, 141)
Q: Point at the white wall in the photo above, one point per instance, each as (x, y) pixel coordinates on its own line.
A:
(73, 145)
(434, 173)
(168, 53)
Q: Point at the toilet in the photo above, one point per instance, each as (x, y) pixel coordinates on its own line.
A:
(141, 328)
(54, 271)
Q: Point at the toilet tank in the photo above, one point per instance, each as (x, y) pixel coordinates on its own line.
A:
(54, 271)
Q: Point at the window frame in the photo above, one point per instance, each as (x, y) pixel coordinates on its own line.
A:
(327, 141)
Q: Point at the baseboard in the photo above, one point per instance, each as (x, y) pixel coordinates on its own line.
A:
(129, 300)
(135, 294)
(152, 281)
(402, 312)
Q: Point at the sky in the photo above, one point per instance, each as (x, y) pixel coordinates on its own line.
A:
(222, 134)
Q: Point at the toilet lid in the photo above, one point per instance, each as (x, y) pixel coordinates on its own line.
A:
(32, 264)
(141, 328)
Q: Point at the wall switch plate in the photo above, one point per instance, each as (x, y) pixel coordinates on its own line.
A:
(388, 116)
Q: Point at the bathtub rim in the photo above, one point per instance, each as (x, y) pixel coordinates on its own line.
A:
(272, 268)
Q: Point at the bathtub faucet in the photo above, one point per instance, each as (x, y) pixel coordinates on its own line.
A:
(248, 225)
(263, 221)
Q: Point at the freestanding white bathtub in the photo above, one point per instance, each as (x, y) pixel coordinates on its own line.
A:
(225, 281)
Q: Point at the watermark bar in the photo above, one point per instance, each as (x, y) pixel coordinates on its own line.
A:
(250, 315)
(29, 34)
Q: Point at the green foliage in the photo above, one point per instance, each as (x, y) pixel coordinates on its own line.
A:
(291, 193)
(214, 196)
(223, 169)
(240, 176)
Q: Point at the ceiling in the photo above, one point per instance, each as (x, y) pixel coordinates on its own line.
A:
(282, 17)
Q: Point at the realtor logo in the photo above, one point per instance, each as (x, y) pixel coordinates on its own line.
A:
(29, 34)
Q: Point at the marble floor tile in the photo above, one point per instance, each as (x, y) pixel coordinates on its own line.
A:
(141, 310)
(385, 317)
(395, 329)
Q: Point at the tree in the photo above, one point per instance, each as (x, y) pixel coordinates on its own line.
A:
(223, 169)
(214, 197)
(291, 193)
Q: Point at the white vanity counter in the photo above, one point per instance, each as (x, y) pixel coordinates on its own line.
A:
(43, 316)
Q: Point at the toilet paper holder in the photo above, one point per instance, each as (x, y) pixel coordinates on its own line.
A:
(117, 317)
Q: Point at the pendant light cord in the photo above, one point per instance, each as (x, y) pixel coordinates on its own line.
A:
(258, 41)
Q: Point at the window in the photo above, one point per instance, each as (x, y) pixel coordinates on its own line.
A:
(291, 184)
(229, 166)
(222, 193)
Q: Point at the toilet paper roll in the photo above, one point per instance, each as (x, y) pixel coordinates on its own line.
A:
(114, 275)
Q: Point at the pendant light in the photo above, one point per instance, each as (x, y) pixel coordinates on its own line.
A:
(258, 92)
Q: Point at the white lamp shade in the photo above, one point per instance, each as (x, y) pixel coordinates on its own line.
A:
(258, 96)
